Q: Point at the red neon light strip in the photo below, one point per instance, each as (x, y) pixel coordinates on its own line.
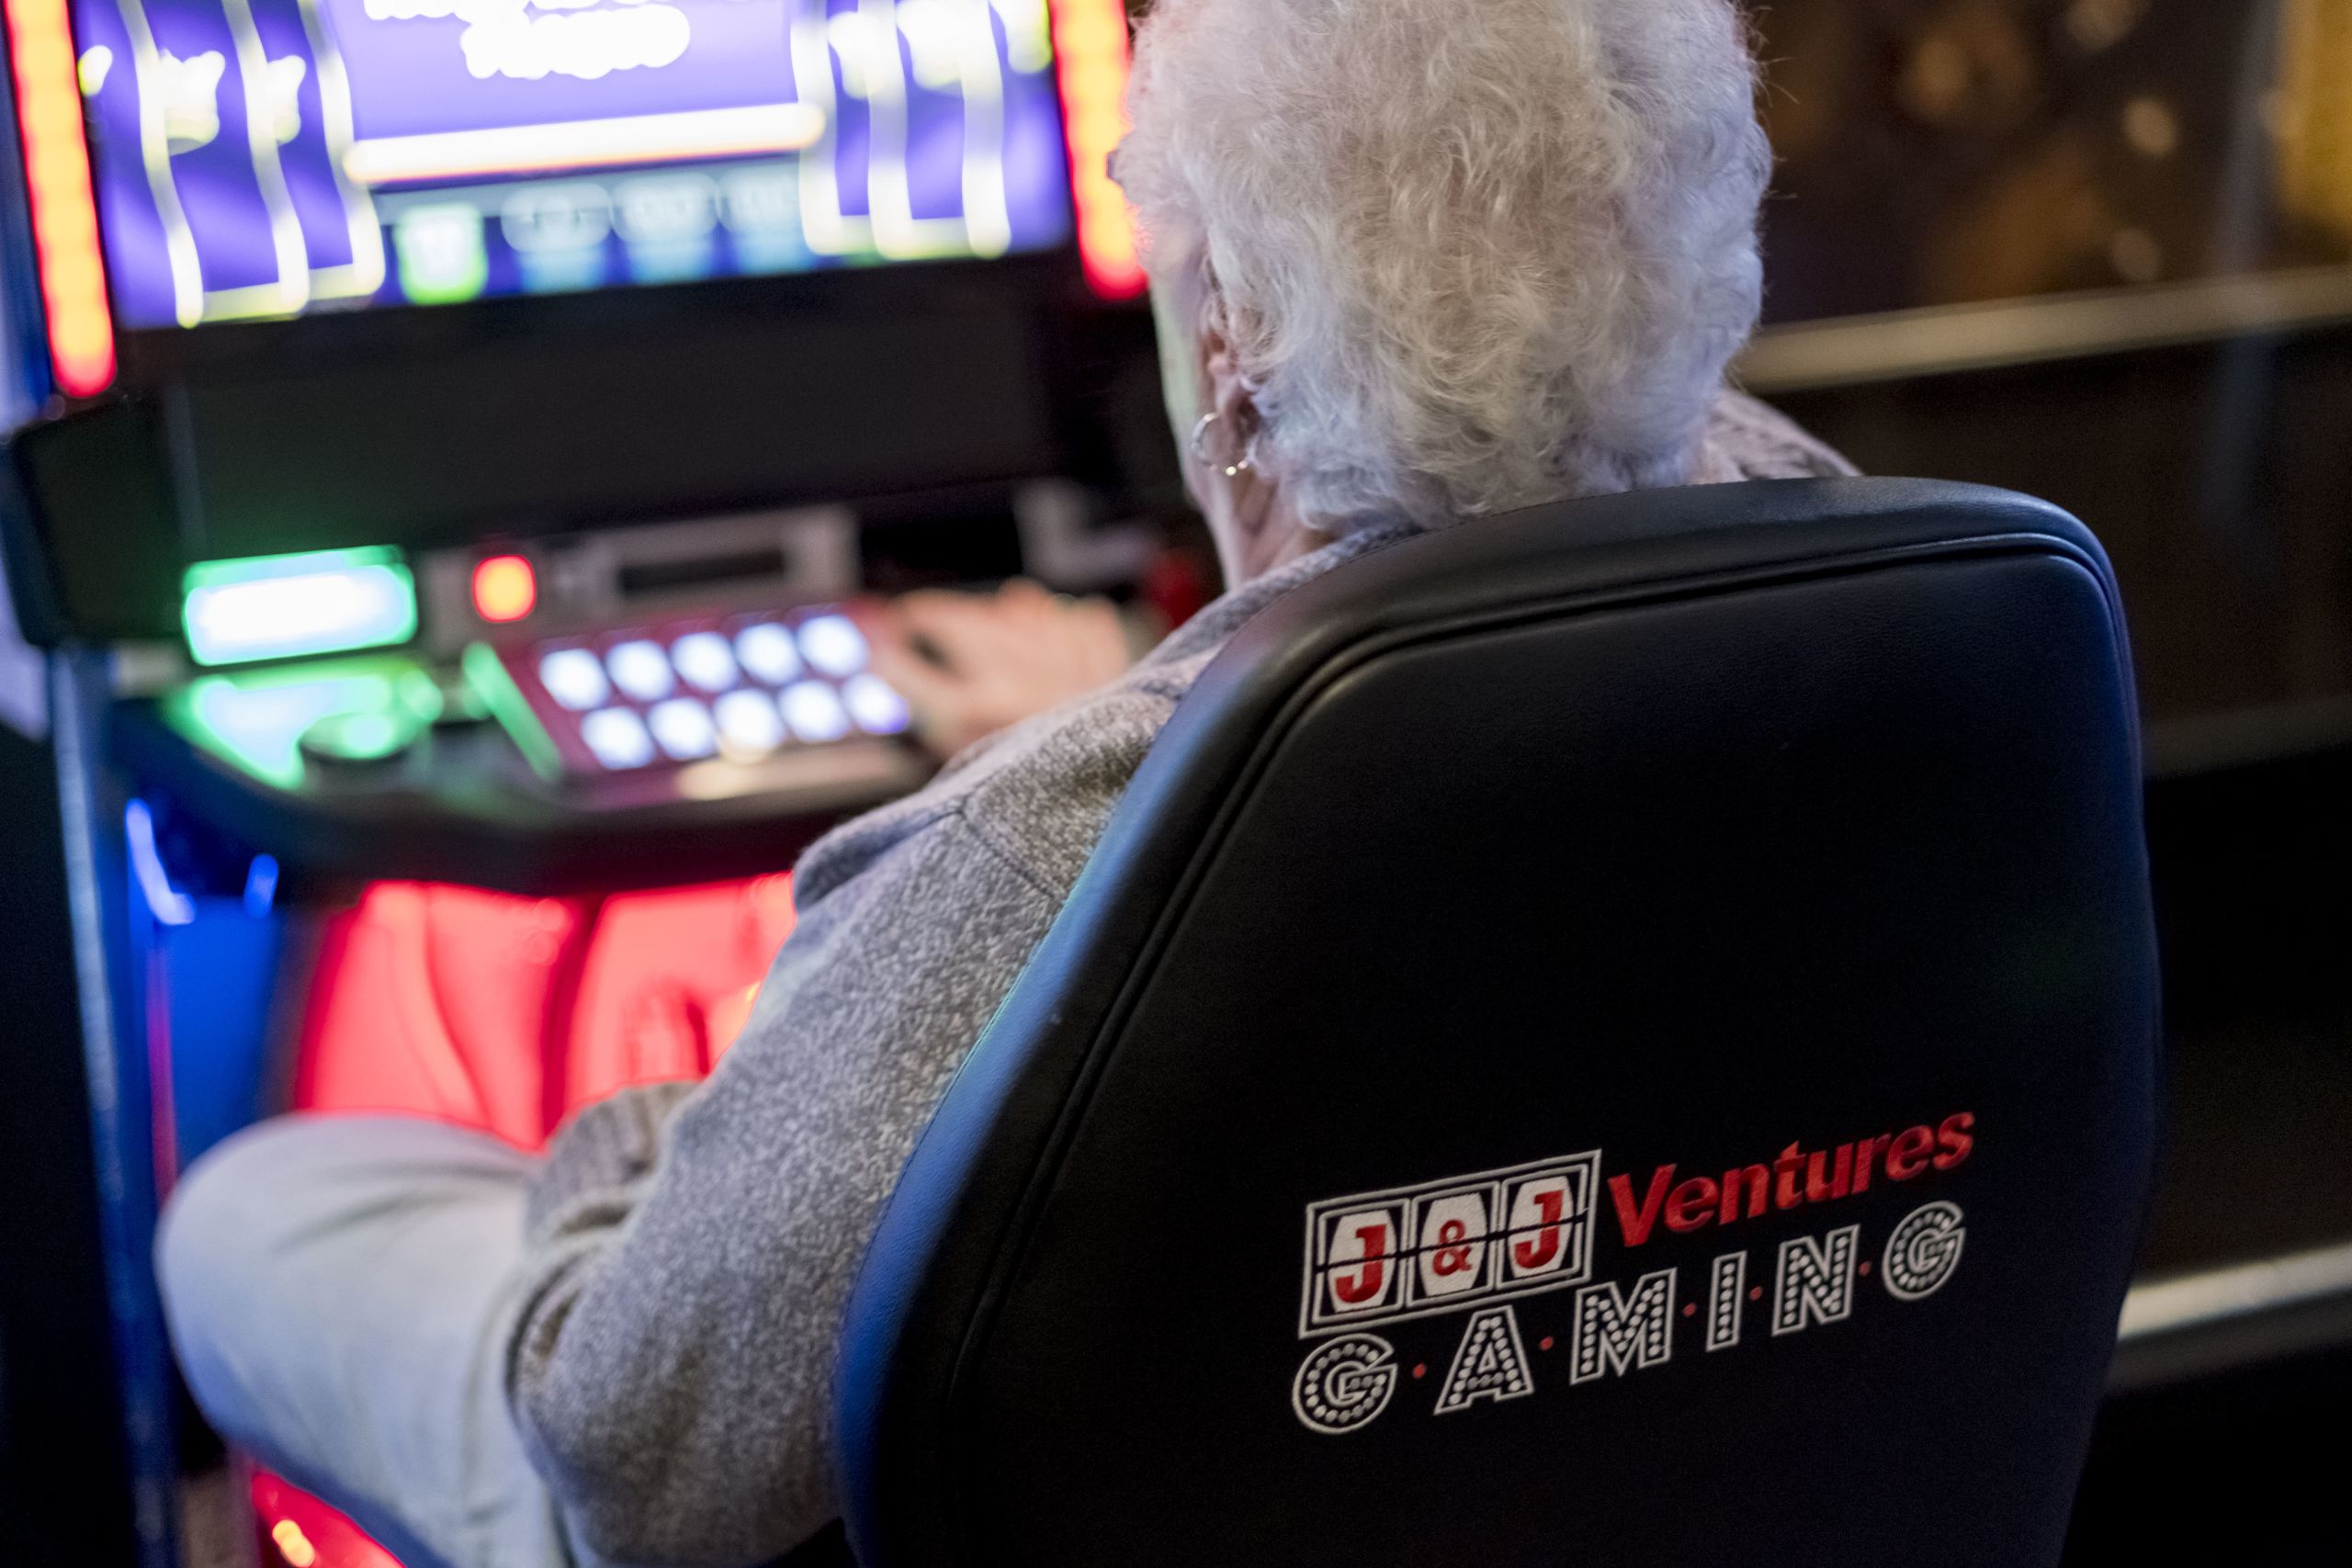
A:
(65, 210)
(303, 1532)
(1090, 45)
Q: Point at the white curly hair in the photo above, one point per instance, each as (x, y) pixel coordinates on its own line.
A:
(1472, 255)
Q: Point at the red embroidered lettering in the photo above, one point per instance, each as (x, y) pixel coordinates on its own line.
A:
(1451, 1257)
(1908, 1157)
(1757, 1181)
(1634, 1223)
(1540, 1249)
(1784, 1171)
(1954, 1138)
(1866, 1154)
(1820, 1189)
(1367, 1285)
(1692, 1205)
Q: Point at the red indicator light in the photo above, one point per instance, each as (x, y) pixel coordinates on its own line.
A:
(1090, 48)
(65, 212)
(505, 588)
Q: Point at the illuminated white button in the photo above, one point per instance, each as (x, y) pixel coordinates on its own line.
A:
(814, 713)
(683, 726)
(703, 659)
(641, 670)
(748, 725)
(833, 646)
(877, 709)
(618, 738)
(573, 678)
(767, 651)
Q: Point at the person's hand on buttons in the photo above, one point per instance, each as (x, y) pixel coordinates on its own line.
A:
(970, 664)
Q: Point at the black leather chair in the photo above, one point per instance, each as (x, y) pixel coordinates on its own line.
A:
(1622, 1034)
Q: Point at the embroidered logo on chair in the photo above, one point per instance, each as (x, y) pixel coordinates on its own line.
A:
(1490, 1240)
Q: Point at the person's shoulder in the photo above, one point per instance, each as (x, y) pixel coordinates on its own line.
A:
(1042, 791)
(1039, 792)
(1747, 439)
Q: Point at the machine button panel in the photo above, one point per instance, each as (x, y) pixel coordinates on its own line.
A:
(833, 646)
(704, 660)
(642, 670)
(876, 704)
(575, 678)
(769, 653)
(684, 729)
(617, 737)
(750, 725)
(690, 689)
(814, 710)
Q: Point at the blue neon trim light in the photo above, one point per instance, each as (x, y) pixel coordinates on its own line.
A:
(168, 904)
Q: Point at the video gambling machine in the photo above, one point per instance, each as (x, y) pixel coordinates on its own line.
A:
(466, 426)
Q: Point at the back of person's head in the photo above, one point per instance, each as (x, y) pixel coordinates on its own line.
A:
(1472, 254)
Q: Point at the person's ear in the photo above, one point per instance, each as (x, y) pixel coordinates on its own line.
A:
(1232, 396)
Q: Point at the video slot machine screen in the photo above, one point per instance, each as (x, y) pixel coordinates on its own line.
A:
(271, 158)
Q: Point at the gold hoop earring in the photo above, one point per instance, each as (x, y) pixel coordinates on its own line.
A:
(1232, 471)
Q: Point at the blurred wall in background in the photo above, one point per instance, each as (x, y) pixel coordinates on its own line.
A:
(2099, 251)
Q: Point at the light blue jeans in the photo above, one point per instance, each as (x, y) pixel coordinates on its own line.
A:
(342, 1290)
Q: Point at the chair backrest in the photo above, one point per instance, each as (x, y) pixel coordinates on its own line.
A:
(1623, 1033)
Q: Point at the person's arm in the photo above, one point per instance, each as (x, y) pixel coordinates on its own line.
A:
(671, 1369)
(971, 664)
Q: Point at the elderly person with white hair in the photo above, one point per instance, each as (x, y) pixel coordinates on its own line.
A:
(1415, 262)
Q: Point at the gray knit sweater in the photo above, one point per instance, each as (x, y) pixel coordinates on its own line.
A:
(691, 1250)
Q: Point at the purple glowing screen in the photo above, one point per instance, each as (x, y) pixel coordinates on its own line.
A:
(268, 158)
